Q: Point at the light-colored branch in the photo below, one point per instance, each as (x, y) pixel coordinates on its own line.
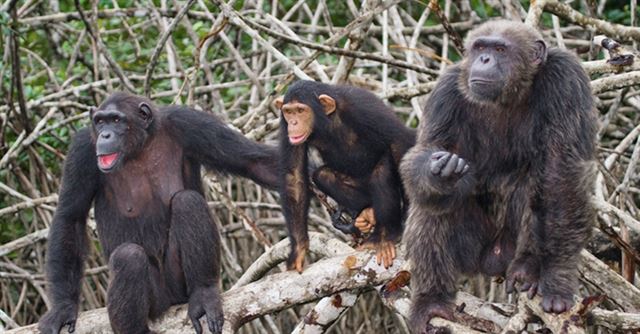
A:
(616, 321)
(600, 278)
(160, 46)
(325, 313)
(535, 12)
(318, 243)
(615, 82)
(271, 294)
(616, 31)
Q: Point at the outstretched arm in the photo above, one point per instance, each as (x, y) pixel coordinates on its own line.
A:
(67, 238)
(209, 141)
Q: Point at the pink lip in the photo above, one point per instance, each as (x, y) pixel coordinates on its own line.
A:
(108, 160)
(294, 140)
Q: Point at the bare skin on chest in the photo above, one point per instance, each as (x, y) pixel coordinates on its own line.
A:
(154, 172)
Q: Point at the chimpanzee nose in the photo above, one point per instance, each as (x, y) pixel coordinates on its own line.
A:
(106, 135)
(485, 59)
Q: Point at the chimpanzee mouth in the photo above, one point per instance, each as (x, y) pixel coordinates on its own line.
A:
(480, 82)
(295, 140)
(107, 161)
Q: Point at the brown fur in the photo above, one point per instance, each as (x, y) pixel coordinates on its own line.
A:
(522, 206)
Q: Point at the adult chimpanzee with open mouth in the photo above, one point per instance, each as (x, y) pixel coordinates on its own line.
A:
(141, 167)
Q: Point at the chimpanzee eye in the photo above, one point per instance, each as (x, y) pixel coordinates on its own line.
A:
(500, 49)
(116, 119)
(479, 47)
(99, 121)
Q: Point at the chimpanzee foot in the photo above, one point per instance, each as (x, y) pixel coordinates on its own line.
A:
(422, 315)
(385, 251)
(526, 273)
(296, 257)
(555, 303)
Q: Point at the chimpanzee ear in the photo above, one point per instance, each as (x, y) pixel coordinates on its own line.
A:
(328, 103)
(540, 52)
(92, 110)
(144, 110)
(278, 102)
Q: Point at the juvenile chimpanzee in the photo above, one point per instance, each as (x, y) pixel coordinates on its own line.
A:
(361, 142)
(141, 165)
(499, 180)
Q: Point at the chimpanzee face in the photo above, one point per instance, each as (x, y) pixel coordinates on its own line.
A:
(490, 67)
(300, 117)
(119, 133)
(500, 64)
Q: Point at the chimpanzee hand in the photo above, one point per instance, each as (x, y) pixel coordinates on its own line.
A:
(57, 317)
(446, 164)
(365, 221)
(526, 272)
(206, 301)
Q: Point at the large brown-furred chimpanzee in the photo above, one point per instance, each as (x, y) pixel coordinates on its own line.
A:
(500, 177)
(361, 142)
(141, 167)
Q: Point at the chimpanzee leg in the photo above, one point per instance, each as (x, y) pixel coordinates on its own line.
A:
(386, 197)
(350, 194)
(440, 248)
(131, 294)
(347, 191)
(525, 217)
(194, 233)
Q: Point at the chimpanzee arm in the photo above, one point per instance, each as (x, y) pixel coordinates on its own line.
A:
(567, 173)
(67, 245)
(295, 199)
(209, 141)
(432, 173)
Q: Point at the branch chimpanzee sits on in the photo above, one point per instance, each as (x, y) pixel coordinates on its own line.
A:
(361, 142)
(499, 180)
(141, 166)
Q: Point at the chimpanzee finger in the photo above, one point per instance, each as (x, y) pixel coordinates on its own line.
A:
(393, 252)
(215, 324)
(510, 285)
(461, 165)
(438, 155)
(451, 166)
(439, 161)
(385, 257)
(532, 290)
(195, 320)
(72, 326)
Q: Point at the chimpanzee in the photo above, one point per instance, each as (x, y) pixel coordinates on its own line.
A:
(500, 177)
(361, 142)
(141, 166)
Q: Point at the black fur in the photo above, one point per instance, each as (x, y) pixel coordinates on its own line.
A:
(152, 219)
(521, 204)
(361, 144)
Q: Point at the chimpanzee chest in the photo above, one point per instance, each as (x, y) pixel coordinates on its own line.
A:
(147, 182)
